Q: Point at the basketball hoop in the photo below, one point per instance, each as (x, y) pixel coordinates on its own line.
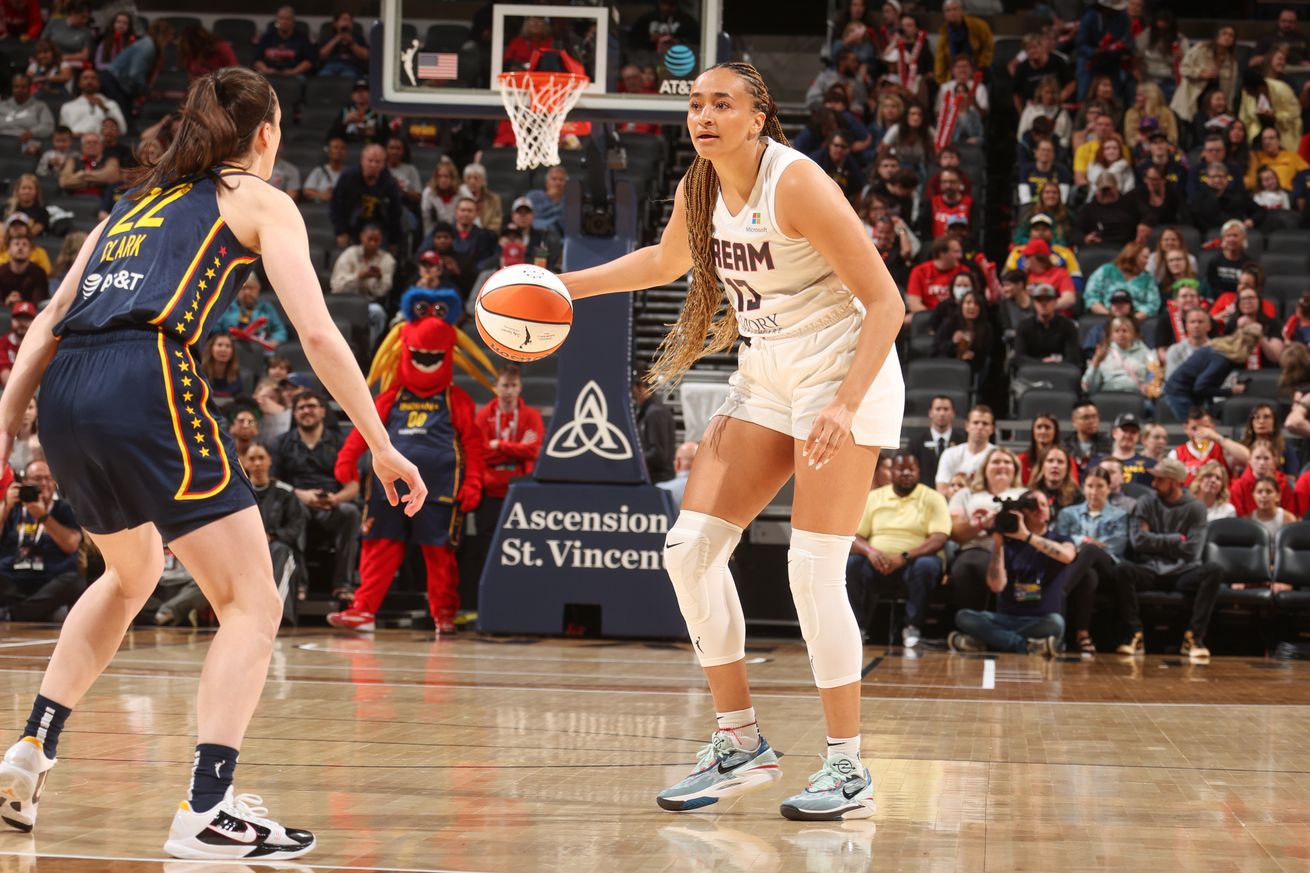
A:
(537, 104)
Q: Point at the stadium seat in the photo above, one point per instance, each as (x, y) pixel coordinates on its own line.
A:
(182, 22)
(921, 335)
(1112, 404)
(918, 400)
(293, 352)
(937, 373)
(1292, 565)
(1241, 547)
(1091, 257)
(1190, 235)
(353, 309)
(1286, 288)
(1147, 327)
(240, 32)
(1087, 322)
(1291, 242)
(1061, 377)
(1262, 384)
(330, 91)
(1236, 410)
(1048, 400)
(1279, 264)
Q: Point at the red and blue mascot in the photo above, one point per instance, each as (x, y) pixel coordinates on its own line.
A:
(431, 421)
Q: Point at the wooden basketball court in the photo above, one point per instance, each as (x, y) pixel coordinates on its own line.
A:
(407, 753)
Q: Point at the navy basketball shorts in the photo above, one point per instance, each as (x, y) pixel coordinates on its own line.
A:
(438, 523)
(132, 435)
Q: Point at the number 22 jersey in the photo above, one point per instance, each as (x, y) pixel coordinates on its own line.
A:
(166, 261)
(779, 286)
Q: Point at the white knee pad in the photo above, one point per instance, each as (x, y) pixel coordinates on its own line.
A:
(696, 553)
(816, 565)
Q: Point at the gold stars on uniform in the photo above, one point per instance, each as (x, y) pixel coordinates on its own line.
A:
(209, 274)
(204, 453)
(189, 315)
(202, 284)
(186, 381)
(184, 367)
(195, 422)
(187, 397)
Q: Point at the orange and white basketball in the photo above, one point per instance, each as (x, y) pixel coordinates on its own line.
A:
(523, 312)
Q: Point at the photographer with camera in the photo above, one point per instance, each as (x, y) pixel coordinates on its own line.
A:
(38, 549)
(1025, 573)
(972, 510)
(343, 53)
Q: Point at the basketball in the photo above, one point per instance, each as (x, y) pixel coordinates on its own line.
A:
(524, 312)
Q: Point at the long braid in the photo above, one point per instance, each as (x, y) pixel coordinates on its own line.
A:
(698, 332)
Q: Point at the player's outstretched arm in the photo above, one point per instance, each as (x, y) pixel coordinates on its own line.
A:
(647, 267)
(273, 225)
(38, 348)
(813, 207)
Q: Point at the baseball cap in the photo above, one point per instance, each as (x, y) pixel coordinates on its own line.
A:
(1170, 468)
(1156, 135)
(359, 83)
(1121, 296)
(1043, 290)
(953, 220)
(18, 217)
(1127, 420)
(1041, 218)
(522, 203)
(22, 307)
(429, 258)
(1107, 180)
(1037, 247)
(1148, 124)
(301, 380)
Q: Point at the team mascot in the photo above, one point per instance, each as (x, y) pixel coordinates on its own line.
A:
(431, 421)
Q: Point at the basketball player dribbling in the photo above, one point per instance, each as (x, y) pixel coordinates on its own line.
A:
(132, 436)
(817, 393)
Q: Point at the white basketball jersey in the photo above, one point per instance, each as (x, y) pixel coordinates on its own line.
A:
(779, 286)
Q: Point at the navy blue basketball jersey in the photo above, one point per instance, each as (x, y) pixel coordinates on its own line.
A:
(167, 260)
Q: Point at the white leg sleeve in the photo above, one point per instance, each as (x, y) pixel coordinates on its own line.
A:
(816, 565)
(696, 553)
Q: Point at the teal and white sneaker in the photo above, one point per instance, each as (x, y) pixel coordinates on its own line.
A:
(841, 791)
(723, 769)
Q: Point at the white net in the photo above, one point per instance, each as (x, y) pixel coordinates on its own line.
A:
(537, 104)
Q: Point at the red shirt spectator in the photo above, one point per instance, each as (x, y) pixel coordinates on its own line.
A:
(943, 211)
(930, 282)
(21, 315)
(513, 432)
(1241, 494)
(22, 18)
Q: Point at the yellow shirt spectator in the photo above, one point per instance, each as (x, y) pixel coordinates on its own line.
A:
(895, 524)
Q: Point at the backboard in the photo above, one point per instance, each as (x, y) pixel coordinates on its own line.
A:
(641, 58)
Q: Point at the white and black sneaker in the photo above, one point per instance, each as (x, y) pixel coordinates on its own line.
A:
(234, 829)
(22, 776)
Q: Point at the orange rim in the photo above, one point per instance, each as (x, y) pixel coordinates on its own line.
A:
(547, 89)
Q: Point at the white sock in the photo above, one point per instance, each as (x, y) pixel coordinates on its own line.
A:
(742, 725)
(847, 746)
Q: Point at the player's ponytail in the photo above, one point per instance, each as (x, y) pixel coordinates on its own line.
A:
(217, 123)
(697, 332)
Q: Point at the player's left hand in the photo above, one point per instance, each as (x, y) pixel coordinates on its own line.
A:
(832, 429)
(390, 465)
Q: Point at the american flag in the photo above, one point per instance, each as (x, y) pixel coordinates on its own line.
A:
(438, 65)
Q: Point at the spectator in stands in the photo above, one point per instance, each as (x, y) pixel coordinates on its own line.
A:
(323, 178)
(24, 117)
(1269, 194)
(476, 248)
(952, 202)
(20, 279)
(656, 30)
(1053, 475)
(855, 37)
(21, 314)
(838, 104)
(283, 50)
(1210, 487)
(1160, 48)
(38, 550)
(285, 520)
(368, 270)
(1046, 337)
(835, 159)
(131, 74)
(1212, 63)
(1197, 335)
(1285, 162)
(1262, 424)
(405, 174)
(895, 247)
(343, 52)
(1086, 441)
(201, 53)
(1103, 45)
(929, 444)
(961, 34)
(244, 429)
(513, 432)
(1273, 517)
(966, 334)
(1099, 530)
(357, 121)
(247, 311)
(1038, 261)
(49, 71)
(1043, 433)
(1204, 443)
(1059, 222)
(902, 195)
(1178, 276)
(1225, 267)
(910, 140)
(304, 457)
(1043, 171)
(1161, 154)
(1201, 377)
(548, 203)
(1237, 146)
(220, 365)
(1134, 466)
(1149, 114)
(85, 113)
(909, 57)
(1123, 363)
(1270, 103)
(1158, 201)
(1121, 306)
(682, 460)
(962, 104)
(366, 194)
(28, 201)
(1126, 272)
(898, 545)
(21, 20)
(72, 33)
(845, 71)
(931, 281)
(114, 147)
(1108, 218)
(973, 510)
(64, 260)
(1250, 311)
(1111, 157)
(1286, 35)
(1155, 441)
(1263, 465)
(1167, 534)
(1115, 471)
(285, 177)
(490, 209)
(655, 428)
(890, 110)
(1024, 570)
(273, 406)
(1041, 67)
(18, 225)
(1101, 127)
(89, 172)
(966, 457)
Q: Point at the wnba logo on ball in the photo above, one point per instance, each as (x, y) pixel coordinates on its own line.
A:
(590, 430)
(679, 60)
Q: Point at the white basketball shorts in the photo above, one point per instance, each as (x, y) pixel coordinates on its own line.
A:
(783, 384)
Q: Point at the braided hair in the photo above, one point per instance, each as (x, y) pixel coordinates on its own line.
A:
(697, 332)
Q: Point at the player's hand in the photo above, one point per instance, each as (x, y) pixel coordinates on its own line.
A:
(390, 465)
(832, 429)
